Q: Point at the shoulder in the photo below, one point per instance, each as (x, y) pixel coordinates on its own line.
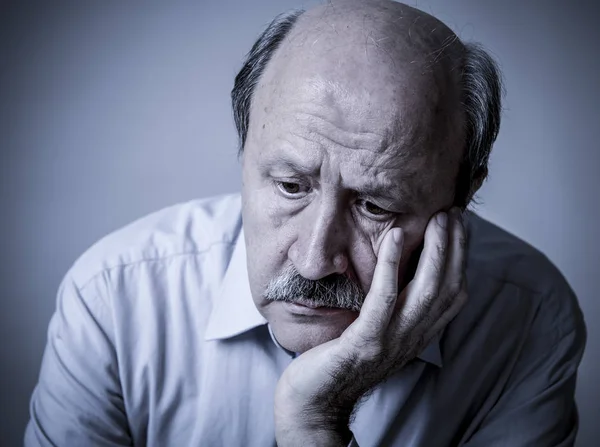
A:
(498, 254)
(189, 228)
(520, 275)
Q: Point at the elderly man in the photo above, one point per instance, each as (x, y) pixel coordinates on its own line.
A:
(346, 297)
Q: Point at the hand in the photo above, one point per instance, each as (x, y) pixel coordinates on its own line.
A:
(317, 393)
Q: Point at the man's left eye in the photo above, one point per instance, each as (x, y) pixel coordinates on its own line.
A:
(290, 188)
(375, 210)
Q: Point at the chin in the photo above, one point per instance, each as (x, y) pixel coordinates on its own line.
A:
(298, 332)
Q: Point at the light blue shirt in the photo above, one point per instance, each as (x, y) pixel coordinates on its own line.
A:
(156, 341)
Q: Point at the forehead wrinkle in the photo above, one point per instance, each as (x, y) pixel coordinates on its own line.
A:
(384, 129)
(359, 112)
(327, 132)
(301, 167)
(367, 164)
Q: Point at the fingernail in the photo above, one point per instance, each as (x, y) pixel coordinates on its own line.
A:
(396, 234)
(442, 219)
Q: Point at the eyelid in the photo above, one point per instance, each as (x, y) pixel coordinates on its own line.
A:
(288, 176)
(375, 202)
(304, 188)
(296, 180)
(387, 214)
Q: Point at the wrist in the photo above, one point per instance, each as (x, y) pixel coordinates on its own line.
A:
(314, 436)
(319, 421)
(312, 427)
(310, 418)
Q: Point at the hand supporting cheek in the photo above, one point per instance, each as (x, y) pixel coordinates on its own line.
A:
(317, 393)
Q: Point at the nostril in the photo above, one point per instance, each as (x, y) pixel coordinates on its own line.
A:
(340, 262)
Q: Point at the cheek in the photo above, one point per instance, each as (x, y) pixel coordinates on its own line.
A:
(363, 257)
(364, 251)
(267, 240)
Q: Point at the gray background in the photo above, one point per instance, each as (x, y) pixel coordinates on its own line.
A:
(110, 110)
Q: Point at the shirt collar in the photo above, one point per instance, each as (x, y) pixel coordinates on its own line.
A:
(234, 311)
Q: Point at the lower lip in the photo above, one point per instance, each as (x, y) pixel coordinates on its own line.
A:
(299, 309)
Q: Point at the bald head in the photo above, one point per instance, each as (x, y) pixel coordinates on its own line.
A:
(397, 70)
(383, 32)
(382, 65)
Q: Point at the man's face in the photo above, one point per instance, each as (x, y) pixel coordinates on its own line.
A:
(335, 158)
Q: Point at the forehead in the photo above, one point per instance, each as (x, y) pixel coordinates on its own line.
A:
(321, 114)
(321, 127)
(341, 90)
(349, 114)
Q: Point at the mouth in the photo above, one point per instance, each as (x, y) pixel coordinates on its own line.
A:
(311, 309)
(311, 305)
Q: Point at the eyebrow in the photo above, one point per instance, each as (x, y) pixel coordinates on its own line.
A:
(291, 165)
(393, 194)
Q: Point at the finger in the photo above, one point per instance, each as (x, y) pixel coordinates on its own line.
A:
(454, 307)
(453, 272)
(422, 335)
(380, 302)
(423, 290)
(457, 255)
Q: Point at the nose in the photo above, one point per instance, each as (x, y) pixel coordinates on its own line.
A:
(320, 248)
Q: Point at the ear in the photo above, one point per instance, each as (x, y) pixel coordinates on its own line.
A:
(476, 184)
(477, 181)
(467, 185)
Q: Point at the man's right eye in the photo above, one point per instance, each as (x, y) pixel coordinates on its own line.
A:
(291, 189)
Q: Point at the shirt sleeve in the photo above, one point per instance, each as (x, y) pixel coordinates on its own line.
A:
(78, 399)
(538, 406)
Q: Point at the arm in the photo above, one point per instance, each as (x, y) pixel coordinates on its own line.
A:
(78, 399)
(538, 404)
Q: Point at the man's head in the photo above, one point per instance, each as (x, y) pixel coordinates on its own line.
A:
(354, 117)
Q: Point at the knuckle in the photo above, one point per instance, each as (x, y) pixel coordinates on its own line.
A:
(389, 297)
(414, 316)
(426, 322)
(371, 353)
(427, 301)
(454, 287)
(429, 295)
(440, 250)
(445, 304)
(367, 335)
(375, 325)
(391, 263)
(418, 341)
(402, 320)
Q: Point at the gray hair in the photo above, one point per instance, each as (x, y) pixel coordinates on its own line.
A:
(481, 98)
(335, 290)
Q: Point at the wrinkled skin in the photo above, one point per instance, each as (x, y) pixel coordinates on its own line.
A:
(355, 129)
(364, 134)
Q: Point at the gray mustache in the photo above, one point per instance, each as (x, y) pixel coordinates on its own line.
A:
(332, 291)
